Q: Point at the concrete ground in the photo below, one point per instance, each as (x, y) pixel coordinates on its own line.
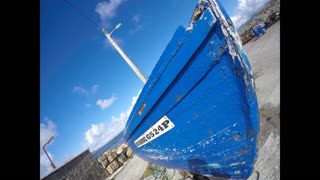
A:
(264, 55)
(132, 170)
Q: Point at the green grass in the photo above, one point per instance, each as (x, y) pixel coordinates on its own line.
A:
(147, 173)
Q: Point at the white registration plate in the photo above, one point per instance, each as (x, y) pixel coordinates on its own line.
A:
(158, 129)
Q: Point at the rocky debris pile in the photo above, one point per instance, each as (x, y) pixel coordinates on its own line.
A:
(112, 160)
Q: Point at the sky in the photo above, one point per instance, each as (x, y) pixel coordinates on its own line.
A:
(87, 90)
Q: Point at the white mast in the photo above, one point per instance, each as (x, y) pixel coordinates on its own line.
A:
(124, 56)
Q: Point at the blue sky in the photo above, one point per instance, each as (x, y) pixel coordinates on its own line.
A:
(87, 90)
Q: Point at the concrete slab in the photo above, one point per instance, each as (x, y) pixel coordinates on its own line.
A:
(264, 56)
(133, 169)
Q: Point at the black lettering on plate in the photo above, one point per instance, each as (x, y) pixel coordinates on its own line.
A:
(151, 134)
(165, 124)
(156, 131)
(143, 140)
(160, 128)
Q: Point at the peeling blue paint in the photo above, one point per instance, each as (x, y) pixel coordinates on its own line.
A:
(204, 84)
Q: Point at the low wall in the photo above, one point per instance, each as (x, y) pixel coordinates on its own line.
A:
(82, 167)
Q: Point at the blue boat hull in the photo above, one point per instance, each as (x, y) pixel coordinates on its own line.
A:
(261, 29)
(256, 32)
(198, 111)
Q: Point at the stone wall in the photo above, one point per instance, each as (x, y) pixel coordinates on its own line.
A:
(269, 15)
(82, 167)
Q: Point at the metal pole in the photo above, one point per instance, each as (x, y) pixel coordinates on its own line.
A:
(51, 163)
(125, 57)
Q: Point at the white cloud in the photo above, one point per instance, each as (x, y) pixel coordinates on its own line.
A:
(47, 130)
(107, 9)
(105, 103)
(45, 166)
(136, 18)
(88, 105)
(95, 133)
(118, 122)
(99, 134)
(137, 26)
(94, 89)
(79, 90)
(84, 91)
(245, 9)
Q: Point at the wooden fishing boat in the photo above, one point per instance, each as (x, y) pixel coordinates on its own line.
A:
(198, 110)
